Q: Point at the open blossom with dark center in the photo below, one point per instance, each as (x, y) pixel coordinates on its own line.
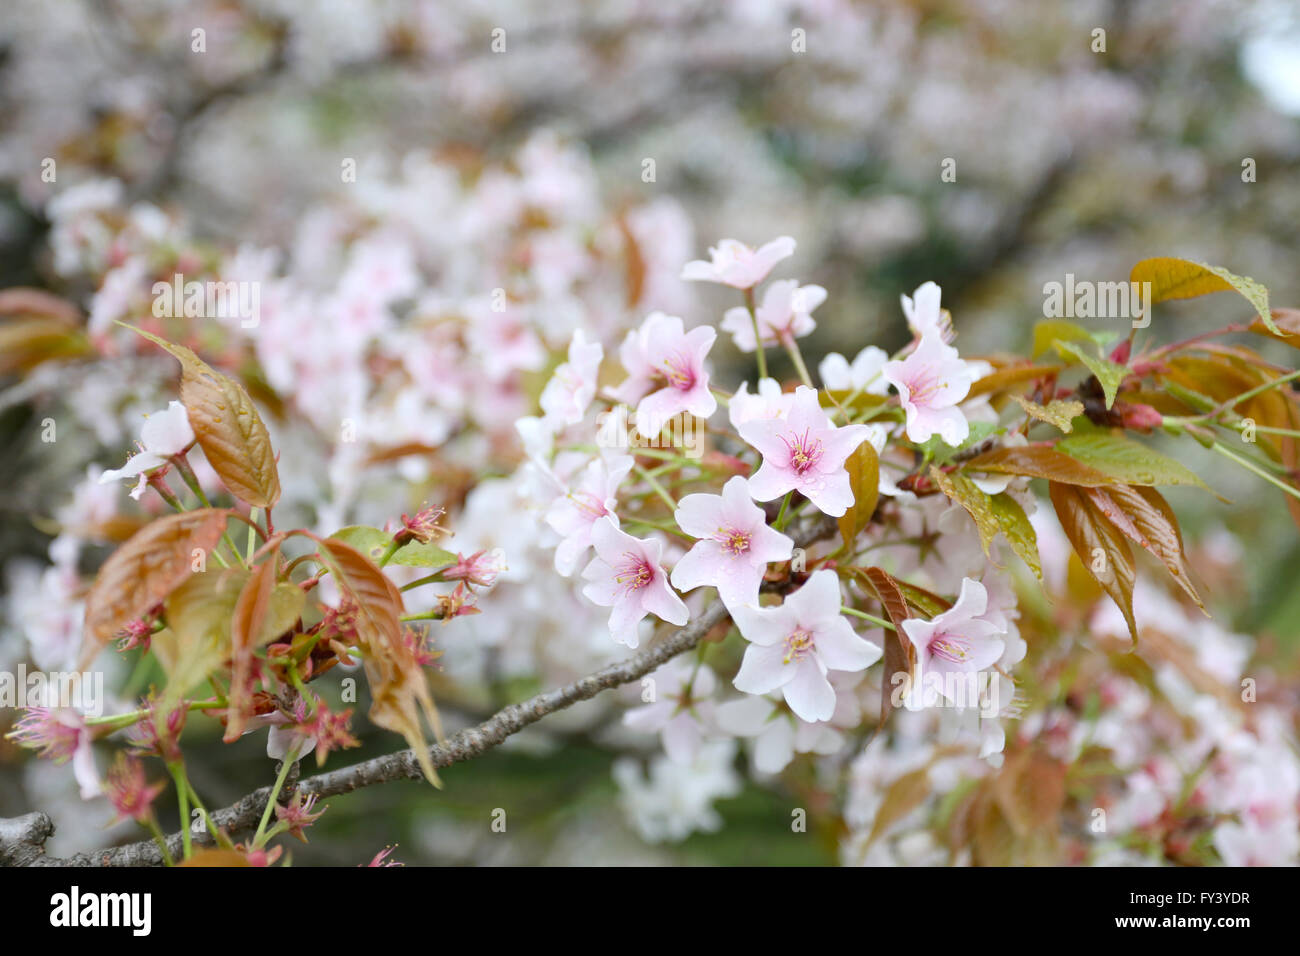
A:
(424, 527)
(666, 375)
(784, 315)
(793, 646)
(960, 640)
(804, 452)
(573, 514)
(735, 544)
(735, 264)
(60, 734)
(626, 575)
(164, 434)
(128, 791)
(298, 814)
(932, 379)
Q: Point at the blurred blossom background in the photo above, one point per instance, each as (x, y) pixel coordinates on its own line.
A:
(526, 170)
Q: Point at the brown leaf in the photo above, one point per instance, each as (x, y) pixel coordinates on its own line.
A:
(399, 689)
(1011, 375)
(202, 858)
(863, 467)
(145, 570)
(246, 626)
(903, 796)
(1039, 461)
(228, 428)
(1088, 529)
(1156, 522)
(900, 655)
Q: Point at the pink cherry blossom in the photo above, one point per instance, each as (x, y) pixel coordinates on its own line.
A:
(626, 575)
(666, 376)
(737, 265)
(571, 389)
(735, 544)
(164, 434)
(804, 452)
(930, 382)
(791, 647)
(924, 316)
(768, 402)
(783, 315)
(573, 514)
(960, 640)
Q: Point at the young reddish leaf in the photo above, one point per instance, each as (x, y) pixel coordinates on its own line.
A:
(1008, 376)
(864, 477)
(976, 502)
(900, 655)
(145, 570)
(1185, 279)
(903, 796)
(1287, 323)
(250, 613)
(1089, 532)
(1146, 518)
(227, 427)
(1039, 461)
(1020, 533)
(399, 688)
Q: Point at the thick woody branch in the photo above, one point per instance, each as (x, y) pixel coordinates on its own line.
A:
(243, 815)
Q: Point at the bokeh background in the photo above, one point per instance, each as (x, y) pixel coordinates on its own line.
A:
(1068, 161)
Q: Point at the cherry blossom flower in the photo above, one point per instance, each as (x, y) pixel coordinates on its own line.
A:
(298, 815)
(777, 734)
(784, 315)
(673, 800)
(792, 646)
(924, 316)
(573, 514)
(482, 568)
(60, 734)
(165, 434)
(768, 402)
(682, 709)
(626, 575)
(566, 396)
(735, 544)
(666, 375)
(128, 791)
(737, 265)
(804, 452)
(960, 640)
(930, 382)
(865, 374)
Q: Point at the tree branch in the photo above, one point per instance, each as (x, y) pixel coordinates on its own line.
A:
(243, 814)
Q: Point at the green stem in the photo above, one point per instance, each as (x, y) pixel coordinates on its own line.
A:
(183, 799)
(1252, 467)
(289, 760)
(796, 356)
(221, 839)
(869, 617)
(161, 840)
(655, 486)
(785, 505)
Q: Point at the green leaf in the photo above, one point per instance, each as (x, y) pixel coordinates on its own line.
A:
(976, 502)
(1126, 461)
(1173, 278)
(373, 542)
(197, 638)
(1013, 521)
(940, 451)
(1109, 374)
(1058, 412)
